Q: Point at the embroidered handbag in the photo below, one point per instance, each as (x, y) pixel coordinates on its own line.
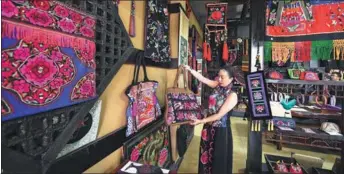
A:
(47, 57)
(275, 75)
(311, 76)
(143, 105)
(182, 105)
(295, 72)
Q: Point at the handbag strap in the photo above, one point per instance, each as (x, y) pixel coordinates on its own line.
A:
(180, 70)
(139, 61)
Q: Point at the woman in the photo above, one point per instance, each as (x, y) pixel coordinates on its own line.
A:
(216, 152)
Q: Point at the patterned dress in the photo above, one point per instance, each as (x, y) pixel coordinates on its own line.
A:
(216, 151)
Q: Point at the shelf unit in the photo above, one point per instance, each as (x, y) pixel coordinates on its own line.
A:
(298, 136)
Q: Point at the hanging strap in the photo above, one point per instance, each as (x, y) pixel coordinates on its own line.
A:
(140, 60)
(180, 70)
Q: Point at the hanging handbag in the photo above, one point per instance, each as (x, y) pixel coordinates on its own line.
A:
(295, 72)
(143, 105)
(182, 105)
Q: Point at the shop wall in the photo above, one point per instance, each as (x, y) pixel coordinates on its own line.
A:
(114, 99)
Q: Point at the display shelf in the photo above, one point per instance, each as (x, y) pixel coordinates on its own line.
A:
(304, 82)
(298, 137)
(315, 115)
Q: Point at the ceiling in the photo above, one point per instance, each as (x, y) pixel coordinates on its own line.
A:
(235, 8)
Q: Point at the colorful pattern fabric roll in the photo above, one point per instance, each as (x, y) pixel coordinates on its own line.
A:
(47, 57)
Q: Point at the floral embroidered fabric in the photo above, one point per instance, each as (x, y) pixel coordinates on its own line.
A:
(299, 18)
(143, 107)
(43, 69)
(182, 107)
(216, 99)
(152, 149)
(157, 33)
(49, 14)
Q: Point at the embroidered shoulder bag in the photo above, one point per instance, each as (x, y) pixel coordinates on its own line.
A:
(182, 105)
(143, 105)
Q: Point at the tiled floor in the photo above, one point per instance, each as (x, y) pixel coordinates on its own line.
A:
(239, 130)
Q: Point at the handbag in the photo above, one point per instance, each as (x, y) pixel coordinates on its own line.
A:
(275, 75)
(143, 107)
(182, 105)
(311, 76)
(295, 72)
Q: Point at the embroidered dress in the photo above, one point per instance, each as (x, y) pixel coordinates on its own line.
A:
(216, 151)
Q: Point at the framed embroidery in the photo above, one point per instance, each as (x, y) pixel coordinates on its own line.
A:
(157, 43)
(257, 95)
(300, 18)
(47, 61)
(183, 38)
(151, 146)
(216, 14)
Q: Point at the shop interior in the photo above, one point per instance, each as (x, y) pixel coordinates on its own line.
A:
(92, 86)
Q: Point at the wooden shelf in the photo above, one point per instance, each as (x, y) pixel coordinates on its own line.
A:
(304, 82)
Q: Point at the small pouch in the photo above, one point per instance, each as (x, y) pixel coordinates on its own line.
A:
(275, 75)
(295, 169)
(311, 76)
(281, 167)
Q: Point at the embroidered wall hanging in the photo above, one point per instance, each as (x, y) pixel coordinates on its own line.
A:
(299, 18)
(183, 38)
(152, 146)
(257, 95)
(157, 44)
(47, 57)
(87, 132)
(216, 14)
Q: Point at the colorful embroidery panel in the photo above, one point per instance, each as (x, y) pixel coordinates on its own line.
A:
(49, 14)
(43, 69)
(182, 107)
(157, 33)
(217, 14)
(259, 104)
(144, 107)
(300, 18)
(151, 147)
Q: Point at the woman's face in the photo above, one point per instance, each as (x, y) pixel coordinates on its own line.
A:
(223, 78)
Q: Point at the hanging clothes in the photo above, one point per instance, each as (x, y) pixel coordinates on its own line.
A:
(321, 49)
(267, 51)
(302, 51)
(283, 52)
(338, 49)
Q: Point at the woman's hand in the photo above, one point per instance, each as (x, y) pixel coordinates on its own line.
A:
(187, 67)
(196, 122)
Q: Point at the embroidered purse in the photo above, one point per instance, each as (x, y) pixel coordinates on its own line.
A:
(311, 76)
(182, 105)
(295, 72)
(47, 57)
(143, 107)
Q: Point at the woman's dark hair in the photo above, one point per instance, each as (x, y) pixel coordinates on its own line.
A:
(229, 70)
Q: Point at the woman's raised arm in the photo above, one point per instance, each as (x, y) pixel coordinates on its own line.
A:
(201, 78)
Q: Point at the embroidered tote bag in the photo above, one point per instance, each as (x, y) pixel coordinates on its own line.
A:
(47, 57)
(182, 105)
(143, 105)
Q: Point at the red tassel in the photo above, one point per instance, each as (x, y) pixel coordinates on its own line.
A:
(205, 54)
(225, 52)
(209, 53)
